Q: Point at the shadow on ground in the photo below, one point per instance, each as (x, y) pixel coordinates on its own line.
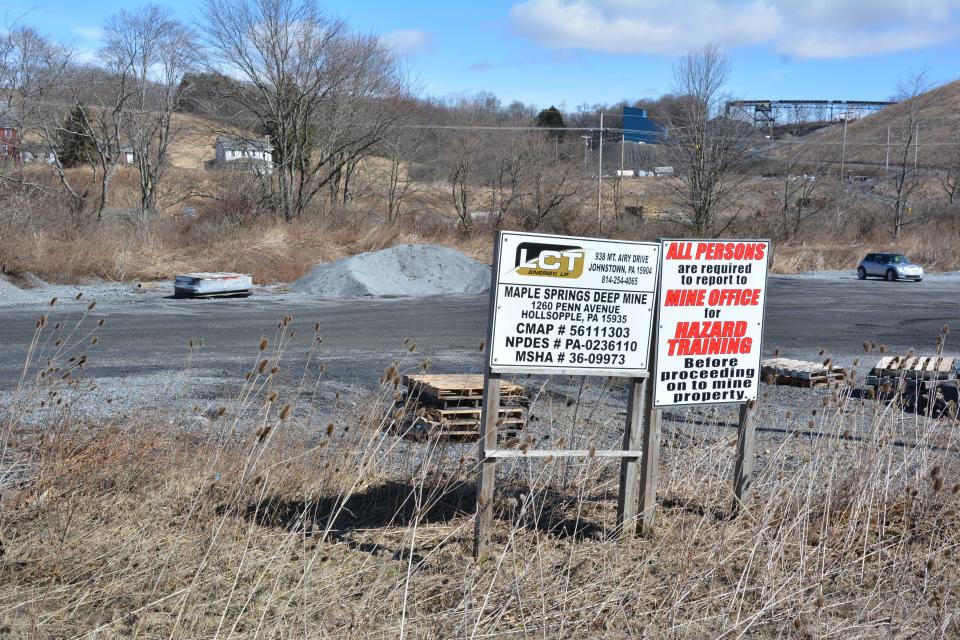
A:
(394, 504)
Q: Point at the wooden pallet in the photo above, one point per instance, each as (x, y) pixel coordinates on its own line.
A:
(437, 431)
(456, 387)
(507, 415)
(914, 368)
(450, 404)
(801, 373)
(464, 428)
(468, 413)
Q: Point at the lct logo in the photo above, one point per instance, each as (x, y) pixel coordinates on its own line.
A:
(550, 260)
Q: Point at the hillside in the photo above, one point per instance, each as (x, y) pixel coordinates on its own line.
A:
(867, 138)
(193, 142)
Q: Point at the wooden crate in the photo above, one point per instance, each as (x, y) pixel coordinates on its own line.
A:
(801, 373)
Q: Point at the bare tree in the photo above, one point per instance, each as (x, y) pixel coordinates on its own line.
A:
(462, 166)
(33, 73)
(151, 52)
(353, 122)
(322, 94)
(913, 111)
(950, 176)
(101, 120)
(554, 185)
(706, 149)
(509, 169)
(400, 149)
(801, 196)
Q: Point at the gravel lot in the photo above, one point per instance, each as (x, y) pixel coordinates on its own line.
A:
(144, 359)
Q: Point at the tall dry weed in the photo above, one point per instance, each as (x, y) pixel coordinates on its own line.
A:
(287, 513)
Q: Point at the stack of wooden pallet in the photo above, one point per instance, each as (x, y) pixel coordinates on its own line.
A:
(925, 384)
(801, 373)
(449, 405)
(891, 369)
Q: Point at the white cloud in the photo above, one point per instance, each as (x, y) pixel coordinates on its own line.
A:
(90, 33)
(811, 29)
(407, 42)
(85, 56)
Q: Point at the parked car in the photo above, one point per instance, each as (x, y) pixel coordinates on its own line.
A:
(890, 266)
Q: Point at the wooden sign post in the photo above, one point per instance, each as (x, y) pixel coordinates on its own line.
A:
(561, 305)
(712, 299)
(486, 465)
(743, 468)
(641, 433)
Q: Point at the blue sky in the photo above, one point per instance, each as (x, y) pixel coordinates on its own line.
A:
(571, 52)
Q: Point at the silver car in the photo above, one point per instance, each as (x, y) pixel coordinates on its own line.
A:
(890, 266)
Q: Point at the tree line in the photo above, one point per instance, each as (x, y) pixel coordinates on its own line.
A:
(328, 98)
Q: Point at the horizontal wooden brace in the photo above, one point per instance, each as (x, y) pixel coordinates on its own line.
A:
(561, 453)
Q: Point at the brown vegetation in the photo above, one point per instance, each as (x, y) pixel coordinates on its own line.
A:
(867, 137)
(229, 234)
(264, 522)
(423, 171)
(226, 234)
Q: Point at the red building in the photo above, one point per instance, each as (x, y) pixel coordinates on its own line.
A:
(9, 144)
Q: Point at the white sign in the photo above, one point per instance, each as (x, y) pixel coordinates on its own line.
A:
(581, 306)
(710, 326)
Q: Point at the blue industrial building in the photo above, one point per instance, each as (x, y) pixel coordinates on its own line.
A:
(637, 127)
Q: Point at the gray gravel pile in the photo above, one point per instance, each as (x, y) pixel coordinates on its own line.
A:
(11, 294)
(40, 292)
(27, 280)
(401, 271)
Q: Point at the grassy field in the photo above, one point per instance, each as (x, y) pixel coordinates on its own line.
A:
(259, 519)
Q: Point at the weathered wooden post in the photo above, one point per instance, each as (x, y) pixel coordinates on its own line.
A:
(743, 470)
(487, 471)
(642, 432)
(632, 438)
(650, 475)
(489, 412)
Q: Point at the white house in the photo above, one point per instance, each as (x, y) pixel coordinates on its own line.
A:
(238, 154)
(34, 153)
(127, 154)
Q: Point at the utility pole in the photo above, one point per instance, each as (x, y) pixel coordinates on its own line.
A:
(886, 166)
(586, 147)
(843, 152)
(916, 146)
(623, 142)
(618, 192)
(600, 174)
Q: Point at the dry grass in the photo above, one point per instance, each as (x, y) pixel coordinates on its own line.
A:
(272, 252)
(935, 252)
(259, 526)
(229, 234)
(232, 233)
(278, 252)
